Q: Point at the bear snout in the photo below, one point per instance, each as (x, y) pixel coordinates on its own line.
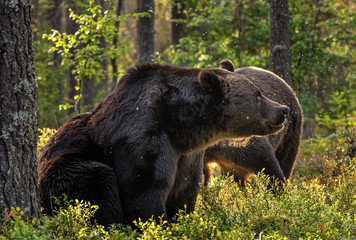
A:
(275, 117)
(278, 116)
(285, 110)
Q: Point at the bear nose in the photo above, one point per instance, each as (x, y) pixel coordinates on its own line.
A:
(286, 110)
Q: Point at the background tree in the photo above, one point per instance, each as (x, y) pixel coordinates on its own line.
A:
(145, 30)
(280, 42)
(323, 62)
(70, 27)
(18, 119)
(50, 75)
(89, 88)
(179, 27)
(221, 29)
(322, 48)
(115, 43)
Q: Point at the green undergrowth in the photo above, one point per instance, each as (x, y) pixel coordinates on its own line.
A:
(324, 158)
(319, 202)
(306, 209)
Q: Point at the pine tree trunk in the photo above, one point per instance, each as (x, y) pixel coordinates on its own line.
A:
(70, 28)
(18, 119)
(145, 31)
(280, 40)
(88, 94)
(238, 15)
(179, 30)
(55, 19)
(114, 62)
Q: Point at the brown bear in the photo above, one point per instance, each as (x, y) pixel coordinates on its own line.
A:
(129, 155)
(276, 153)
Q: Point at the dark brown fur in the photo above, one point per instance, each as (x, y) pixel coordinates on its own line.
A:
(129, 156)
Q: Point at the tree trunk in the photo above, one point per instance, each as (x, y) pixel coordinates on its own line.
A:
(114, 62)
(55, 18)
(315, 86)
(179, 30)
(145, 31)
(89, 89)
(71, 28)
(18, 119)
(238, 15)
(280, 41)
(103, 84)
(88, 93)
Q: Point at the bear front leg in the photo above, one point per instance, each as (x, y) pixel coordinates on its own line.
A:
(144, 206)
(187, 184)
(144, 186)
(257, 155)
(254, 157)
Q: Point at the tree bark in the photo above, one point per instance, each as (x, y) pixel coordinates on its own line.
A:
(179, 30)
(238, 15)
(71, 28)
(89, 88)
(103, 84)
(145, 31)
(114, 62)
(280, 40)
(55, 19)
(18, 119)
(88, 94)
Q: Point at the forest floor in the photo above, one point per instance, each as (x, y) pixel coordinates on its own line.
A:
(319, 202)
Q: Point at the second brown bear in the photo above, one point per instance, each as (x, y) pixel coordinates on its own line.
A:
(276, 153)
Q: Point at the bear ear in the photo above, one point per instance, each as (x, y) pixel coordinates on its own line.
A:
(211, 82)
(227, 65)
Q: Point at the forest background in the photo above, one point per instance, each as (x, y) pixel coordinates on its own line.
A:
(94, 42)
(85, 56)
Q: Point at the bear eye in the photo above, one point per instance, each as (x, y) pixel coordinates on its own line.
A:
(258, 96)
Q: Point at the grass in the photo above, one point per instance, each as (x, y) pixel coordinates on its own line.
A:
(318, 203)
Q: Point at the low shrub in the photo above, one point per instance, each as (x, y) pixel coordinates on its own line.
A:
(45, 134)
(319, 202)
(72, 222)
(304, 209)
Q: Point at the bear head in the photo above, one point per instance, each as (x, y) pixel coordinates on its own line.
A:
(246, 111)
